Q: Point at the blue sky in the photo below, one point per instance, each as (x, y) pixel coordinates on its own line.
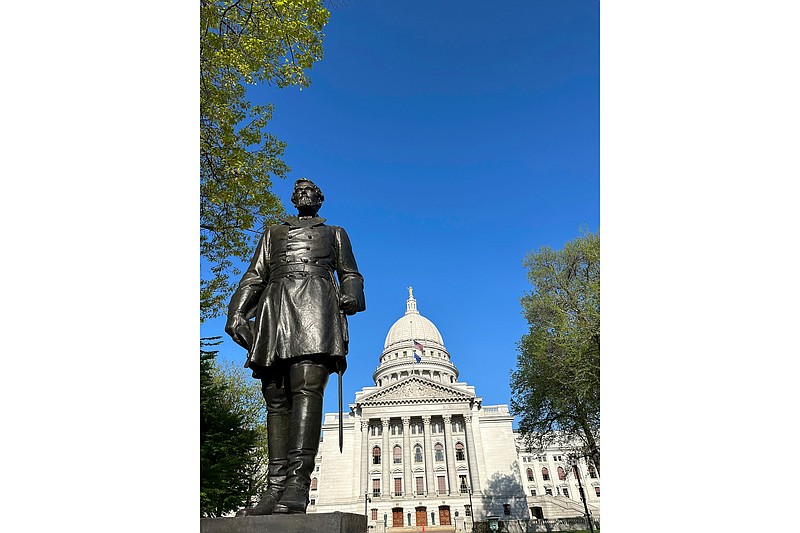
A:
(450, 139)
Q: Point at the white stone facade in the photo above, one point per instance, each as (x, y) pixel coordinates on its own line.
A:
(420, 448)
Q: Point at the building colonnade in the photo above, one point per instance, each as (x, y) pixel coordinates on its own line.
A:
(407, 456)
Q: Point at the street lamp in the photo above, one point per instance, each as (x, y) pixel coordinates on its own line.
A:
(367, 500)
(577, 473)
(494, 520)
(471, 509)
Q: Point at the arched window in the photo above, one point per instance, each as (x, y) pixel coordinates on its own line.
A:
(439, 452)
(545, 474)
(530, 474)
(561, 474)
(314, 484)
(460, 456)
(376, 455)
(417, 453)
(397, 454)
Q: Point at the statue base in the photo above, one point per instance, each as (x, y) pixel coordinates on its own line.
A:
(287, 523)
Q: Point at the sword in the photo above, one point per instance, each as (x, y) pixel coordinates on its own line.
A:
(340, 411)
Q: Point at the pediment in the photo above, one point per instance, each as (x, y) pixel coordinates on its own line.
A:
(415, 389)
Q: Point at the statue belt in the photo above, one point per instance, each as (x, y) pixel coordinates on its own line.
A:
(290, 270)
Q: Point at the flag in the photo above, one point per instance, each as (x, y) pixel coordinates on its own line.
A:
(417, 346)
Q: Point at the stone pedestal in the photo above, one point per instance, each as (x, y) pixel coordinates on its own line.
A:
(287, 523)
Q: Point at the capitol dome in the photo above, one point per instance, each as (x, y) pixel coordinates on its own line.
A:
(413, 327)
(414, 345)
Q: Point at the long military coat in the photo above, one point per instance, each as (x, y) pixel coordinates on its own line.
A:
(291, 291)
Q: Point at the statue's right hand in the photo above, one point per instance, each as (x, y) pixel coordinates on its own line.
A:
(235, 320)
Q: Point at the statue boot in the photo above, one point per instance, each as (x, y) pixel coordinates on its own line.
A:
(278, 432)
(307, 384)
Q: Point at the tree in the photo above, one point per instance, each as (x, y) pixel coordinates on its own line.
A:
(556, 385)
(243, 393)
(245, 42)
(232, 439)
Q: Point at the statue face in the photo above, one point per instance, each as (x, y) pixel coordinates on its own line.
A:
(307, 197)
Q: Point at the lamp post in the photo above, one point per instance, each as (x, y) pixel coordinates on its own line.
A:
(494, 522)
(367, 499)
(471, 509)
(583, 496)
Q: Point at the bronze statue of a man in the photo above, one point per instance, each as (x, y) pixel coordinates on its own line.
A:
(298, 338)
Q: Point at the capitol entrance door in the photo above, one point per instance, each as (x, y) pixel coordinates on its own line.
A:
(444, 515)
(397, 517)
(422, 516)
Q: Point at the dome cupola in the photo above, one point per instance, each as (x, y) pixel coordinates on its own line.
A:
(414, 346)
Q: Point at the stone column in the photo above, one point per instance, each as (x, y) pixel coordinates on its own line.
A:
(366, 456)
(429, 463)
(450, 457)
(407, 455)
(386, 458)
(472, 461)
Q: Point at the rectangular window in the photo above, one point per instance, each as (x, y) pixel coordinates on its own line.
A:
(420, 485)
(398, 486)
(597, 491)
(462, 483)
(376, 487)
(468, 510)
(533, 492)
(507, 509)
(565, 492)
(313, 502)
(374, 514)
(548, 491)
(442, 488)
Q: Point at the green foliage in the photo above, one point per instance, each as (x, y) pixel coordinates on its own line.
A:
(245, 42)
(556, 385)
(232, 438)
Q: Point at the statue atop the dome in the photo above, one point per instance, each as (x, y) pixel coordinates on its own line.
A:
(410, 293)
(297, 339)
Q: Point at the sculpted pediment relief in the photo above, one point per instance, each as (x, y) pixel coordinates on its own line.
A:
(415, 390)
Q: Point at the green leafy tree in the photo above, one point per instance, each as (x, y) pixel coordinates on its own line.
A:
(231, 441)
(245, 42)
(556, 385)
(244, 395)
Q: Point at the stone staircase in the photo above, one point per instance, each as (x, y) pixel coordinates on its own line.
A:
(417, 529)
(561, 507)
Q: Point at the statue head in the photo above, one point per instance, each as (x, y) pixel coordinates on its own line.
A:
(307, 197)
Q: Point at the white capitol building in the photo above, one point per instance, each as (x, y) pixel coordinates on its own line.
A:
(421, 449)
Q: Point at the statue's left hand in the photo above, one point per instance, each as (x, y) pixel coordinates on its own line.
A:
(348, 304)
